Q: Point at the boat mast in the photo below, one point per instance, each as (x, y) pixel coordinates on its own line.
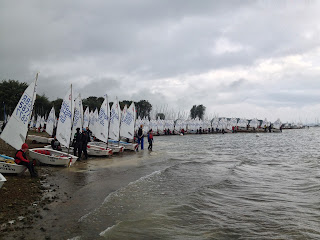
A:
(72, 116)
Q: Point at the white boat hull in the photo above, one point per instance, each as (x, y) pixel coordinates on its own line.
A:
(7, 165)
(39, 139)
(2, 180)
(91, 150)
(127, 146)
(98, 151)
(114, 148)
(54, 157)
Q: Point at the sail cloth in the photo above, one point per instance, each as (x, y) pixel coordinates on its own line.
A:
(38, 123)
(16, 129)
(78, 115)
(65, 119)
(114, 129)
(42, 121)
(103, 121)
(86, 118)
(127, 122)
(50, 121)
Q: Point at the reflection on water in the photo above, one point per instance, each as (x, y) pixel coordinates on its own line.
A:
(232, 186)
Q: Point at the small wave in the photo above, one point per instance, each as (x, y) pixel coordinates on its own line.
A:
(104, 233)
(120, 190)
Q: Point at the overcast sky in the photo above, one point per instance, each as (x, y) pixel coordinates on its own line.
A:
(238, 58)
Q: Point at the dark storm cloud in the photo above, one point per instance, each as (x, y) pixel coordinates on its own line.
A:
(135, 48)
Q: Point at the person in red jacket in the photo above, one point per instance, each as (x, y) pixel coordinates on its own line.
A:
(21, 159)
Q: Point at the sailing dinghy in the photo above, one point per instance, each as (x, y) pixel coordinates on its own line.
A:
(15, 131)
(114, 128)
(101, 132)
(127, 128)
(54, 157)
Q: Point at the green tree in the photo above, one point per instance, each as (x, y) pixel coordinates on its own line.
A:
(125, 102)
(10, 93)
(193, 112)
(161, 115)
(92, 102)
(143, 108)
(57, 105)
(42, 105)
(197, 111)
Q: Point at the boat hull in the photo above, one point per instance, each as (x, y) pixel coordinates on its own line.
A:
(127, 146)
(98, 151)
(54, 157)
(2, 180)
(91, 150)
(7, 165)
(39, 139)
(115, 149)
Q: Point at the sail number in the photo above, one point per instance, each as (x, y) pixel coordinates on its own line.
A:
(24, 109)
(64, 112)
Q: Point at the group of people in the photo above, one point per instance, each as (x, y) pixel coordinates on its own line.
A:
(140, 137)
(79, 144)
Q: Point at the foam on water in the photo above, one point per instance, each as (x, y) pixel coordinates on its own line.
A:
(232, 186)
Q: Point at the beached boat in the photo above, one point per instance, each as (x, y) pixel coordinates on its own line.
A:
(127, 129)
(7, 165)
(101, 132)
(39, 139)
(126, 145)
(16, 129)
(91, 150)
(2, 180)
(52, 157)
(98, 151)
(104, 146)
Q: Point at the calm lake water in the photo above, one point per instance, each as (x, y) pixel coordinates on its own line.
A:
(232, 186)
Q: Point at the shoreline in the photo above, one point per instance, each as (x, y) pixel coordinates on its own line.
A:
(63, 195)
(22, 197)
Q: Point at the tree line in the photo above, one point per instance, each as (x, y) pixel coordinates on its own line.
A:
(12, 90)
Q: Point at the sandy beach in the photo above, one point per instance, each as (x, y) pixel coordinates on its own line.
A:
(50, 207)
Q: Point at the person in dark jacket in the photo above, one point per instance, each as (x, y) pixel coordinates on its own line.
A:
(77, 143)
(150, 139)
(140, 137)
(21, 159)
(85, 139)
(55, 144)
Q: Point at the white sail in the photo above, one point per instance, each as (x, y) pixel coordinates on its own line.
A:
(114, 129)
(38, 123)
(86, 118)
(77, 119)
(50, 121)
(32, 122)
(65, 119)
(16, 129)
(102, 125)
(277, 124)
(42, 122)
(127, 122)
(91, 121)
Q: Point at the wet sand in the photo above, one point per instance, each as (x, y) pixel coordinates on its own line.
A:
(64, 195)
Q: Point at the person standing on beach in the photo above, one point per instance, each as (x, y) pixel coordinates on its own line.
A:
(150, 139)
(21, 159)
(140, 137)
(77, 143)
(85, 139)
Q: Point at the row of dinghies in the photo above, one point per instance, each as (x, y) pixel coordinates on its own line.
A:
(107, 130)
